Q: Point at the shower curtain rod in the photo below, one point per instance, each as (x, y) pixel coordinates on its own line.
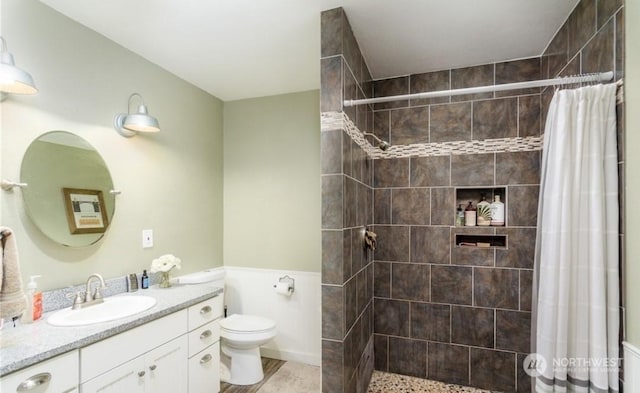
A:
(597, 77)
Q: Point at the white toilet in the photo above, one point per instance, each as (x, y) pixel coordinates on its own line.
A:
(240, 339)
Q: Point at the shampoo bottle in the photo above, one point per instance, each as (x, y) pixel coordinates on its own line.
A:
(34, 302)
(497, 212)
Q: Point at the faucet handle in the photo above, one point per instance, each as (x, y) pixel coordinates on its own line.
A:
(97, 294)
(77, 302)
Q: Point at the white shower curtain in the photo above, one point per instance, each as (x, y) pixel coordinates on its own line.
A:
(576, 318)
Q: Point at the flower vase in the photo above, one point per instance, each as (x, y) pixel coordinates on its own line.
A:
(165, 280)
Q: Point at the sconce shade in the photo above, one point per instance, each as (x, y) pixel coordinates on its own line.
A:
(130, 123)
(13, 79)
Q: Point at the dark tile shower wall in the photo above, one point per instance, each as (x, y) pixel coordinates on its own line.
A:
(473, 326)
(441, 311)
(462, 314)
(347, 202)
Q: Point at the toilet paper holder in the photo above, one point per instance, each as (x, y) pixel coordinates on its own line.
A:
(291, 283)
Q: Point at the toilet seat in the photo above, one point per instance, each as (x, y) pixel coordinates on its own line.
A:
(240, 339)
(246, 324)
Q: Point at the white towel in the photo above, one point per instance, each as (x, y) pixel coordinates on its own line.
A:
(13, 302)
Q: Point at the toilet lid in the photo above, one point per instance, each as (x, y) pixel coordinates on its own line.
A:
(246, 323)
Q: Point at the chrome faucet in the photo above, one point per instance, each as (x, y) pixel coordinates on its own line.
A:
(90, 299)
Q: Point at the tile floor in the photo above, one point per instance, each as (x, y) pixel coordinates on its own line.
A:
(269, 367)
(381, 382)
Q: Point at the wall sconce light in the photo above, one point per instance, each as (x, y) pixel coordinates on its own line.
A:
(128, 124)
(13, 79)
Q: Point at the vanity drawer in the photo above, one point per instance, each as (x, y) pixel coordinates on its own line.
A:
(61, 373)
(203, 336)
(113, 351)
(204, 371)
(205, 311)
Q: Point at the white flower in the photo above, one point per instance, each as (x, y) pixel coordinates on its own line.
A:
(165, 263)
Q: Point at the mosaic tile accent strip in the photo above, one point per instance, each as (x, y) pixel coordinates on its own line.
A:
(382, 382)
(340, 121)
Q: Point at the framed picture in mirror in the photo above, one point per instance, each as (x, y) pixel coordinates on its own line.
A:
(85, 210)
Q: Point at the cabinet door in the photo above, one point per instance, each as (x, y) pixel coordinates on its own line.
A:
(204, 370)
(128, 377)
(167, 367)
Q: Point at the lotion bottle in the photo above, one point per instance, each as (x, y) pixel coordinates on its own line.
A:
(497, 212)
(34, 302)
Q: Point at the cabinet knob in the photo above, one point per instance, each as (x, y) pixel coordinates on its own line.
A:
(205, 310)
(205, 359)
(153, 367)
(34, 382)
(206, 334)
(141, 373)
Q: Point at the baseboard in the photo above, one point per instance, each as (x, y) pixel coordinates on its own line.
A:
(631, 367)
(298, 357)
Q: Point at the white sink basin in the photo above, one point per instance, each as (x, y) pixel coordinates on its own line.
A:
(113, 308)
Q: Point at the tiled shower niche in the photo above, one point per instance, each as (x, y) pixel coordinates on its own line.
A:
(474, 195)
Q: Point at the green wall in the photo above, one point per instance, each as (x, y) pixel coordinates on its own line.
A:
(272, 182)
(171, 182)
(632, 164)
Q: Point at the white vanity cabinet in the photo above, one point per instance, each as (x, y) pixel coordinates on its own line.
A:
(204, 346)
(148, 359)
(177, 353)
(56, 375)
(163, 370)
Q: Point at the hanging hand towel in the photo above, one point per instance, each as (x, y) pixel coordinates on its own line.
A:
(13, 302)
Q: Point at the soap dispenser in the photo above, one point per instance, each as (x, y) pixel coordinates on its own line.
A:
(470, 215)
(34, 302)
(144, 281)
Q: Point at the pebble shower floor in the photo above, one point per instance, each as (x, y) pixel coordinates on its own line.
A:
(394, 383)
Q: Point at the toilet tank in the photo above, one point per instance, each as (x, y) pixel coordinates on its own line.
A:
(218, 276)
(213, 276)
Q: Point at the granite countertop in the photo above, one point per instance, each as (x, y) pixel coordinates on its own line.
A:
(29, 344)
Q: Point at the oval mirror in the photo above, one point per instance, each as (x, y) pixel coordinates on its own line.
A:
(68, 196)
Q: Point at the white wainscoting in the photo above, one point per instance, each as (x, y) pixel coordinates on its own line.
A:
(631, 367)
(251, 291)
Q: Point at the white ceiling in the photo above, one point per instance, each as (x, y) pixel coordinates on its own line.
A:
(238, 49)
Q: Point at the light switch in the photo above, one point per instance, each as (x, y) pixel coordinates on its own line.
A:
(147, 238)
